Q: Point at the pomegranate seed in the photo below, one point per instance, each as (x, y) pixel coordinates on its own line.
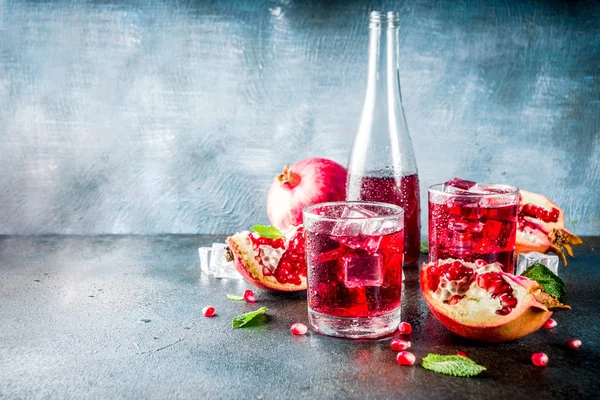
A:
(550, 324)
(249, 296)
(208, 311)
(404, 328)
(462, 354)
(405, 358)
(399, 344)
(539, 359)
(574, 344)
(298, 329)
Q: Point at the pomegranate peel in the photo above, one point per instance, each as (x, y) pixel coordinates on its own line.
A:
(486, 304)
(541, 227)
(270, 264)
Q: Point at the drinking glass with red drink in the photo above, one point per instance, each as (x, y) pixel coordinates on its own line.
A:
(470, 221)
(354, 252)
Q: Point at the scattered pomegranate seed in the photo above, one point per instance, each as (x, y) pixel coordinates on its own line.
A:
(298, 329)
(404, 328)
(462, 354)
(539, 359)
(550, 324)
(208, 311)
(405, 358)
(249, 296)
(399, 344)
(574, 344)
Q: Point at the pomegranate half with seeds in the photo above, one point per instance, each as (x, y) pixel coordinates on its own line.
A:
(271, 264)
(481, 302)
(541, 227)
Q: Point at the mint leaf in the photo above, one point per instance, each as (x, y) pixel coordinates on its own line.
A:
(243, 319)
(424, 247)
(234, 297)
(267, 231)
(451, 365)
(550, 282)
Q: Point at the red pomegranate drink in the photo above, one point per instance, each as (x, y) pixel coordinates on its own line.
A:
(470, 221)
(354, 252)
(403, 192)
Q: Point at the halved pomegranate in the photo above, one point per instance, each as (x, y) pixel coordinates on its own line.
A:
(541, 227)
(481, 302)
(271, 264)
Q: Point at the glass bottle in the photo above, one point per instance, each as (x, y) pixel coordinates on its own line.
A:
(382, 164)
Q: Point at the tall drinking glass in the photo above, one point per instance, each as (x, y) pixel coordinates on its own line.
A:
(354, 252)
(470, 221)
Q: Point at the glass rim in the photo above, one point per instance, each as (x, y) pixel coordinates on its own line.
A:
(437, 188)
(307, 211)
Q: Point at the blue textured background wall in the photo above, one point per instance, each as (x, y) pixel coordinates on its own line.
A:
(124, 117)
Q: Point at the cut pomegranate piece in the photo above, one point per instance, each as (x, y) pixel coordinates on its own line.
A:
(405, 358)
(539, 359)
(541, 227)
(462, 354)
(271, 264)
(485, 303)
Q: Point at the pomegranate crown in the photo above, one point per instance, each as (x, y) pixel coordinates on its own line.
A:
(289, 177)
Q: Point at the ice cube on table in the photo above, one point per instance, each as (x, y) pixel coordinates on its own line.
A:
(204, 254)
(214, 262)
(361, 271)
(526, 260)
(227, 271)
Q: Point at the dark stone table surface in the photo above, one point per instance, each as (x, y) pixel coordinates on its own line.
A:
(120, 317)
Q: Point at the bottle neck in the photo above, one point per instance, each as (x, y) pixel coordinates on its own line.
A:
(383, 83)
(382, 142)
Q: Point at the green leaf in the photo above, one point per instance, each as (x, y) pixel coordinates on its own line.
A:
(424, 247)
(234, 297)
(267, 231)
(243, 319)
(451, 365)
(550, 282)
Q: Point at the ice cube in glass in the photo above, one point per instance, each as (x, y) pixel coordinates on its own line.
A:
(361, 271)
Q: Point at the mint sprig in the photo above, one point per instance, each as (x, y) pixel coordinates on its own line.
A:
(451, 365)
(267, 231)
(424, 249)
(243, 319)
(550, 282)
(234, 297)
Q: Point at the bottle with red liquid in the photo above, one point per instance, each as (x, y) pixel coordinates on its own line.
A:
(382, 164)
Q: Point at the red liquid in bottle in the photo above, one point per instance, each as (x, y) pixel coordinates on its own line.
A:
(403, 192)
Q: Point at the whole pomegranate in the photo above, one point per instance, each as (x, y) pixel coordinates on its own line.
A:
(307, 182)
(271, 264)
(541, 227)
(481, 302)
